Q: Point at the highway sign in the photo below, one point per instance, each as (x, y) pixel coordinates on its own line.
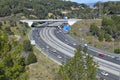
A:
(66, 28)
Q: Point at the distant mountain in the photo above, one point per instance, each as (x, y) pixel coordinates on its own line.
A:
(90, 4)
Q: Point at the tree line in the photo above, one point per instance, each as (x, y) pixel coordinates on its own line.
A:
(107, 8)
(42, 8)
(109, 30)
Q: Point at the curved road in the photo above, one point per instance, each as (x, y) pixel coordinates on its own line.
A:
(60, 47)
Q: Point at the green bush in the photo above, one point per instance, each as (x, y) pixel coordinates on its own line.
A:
(31, 59)
(117, 50)
(0, 25)
(107, 37)
(27, 46)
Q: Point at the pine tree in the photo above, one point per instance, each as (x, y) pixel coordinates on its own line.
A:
(80, 67)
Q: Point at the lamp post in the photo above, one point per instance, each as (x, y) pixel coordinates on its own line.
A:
(92, 40)
(80, 35)
(113, 46)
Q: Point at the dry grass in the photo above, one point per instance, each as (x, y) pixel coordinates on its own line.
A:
(80, 31)
(44, 69)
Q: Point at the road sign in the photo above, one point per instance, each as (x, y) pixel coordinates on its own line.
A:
(66, 28)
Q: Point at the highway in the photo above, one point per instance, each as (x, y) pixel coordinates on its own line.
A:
(91, 50)
(60, 47)
(49, 51)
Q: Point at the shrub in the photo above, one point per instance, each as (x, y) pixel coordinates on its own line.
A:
(27, 46)
(117, 50)
(31, 59)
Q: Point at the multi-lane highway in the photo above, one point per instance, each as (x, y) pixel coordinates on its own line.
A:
(91, 50)
(60, 47)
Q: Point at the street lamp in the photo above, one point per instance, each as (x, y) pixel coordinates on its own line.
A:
(92, 40)
(80, 35)
(82, 39)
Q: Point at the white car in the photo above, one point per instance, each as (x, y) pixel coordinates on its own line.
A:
(47, 47)
(74, 44)
(85, 45)
(104, 73)
(54, 50)
(59, 56)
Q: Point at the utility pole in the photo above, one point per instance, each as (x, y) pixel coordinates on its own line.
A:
(79, 34)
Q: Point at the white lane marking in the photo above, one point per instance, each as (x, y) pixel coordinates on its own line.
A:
(42, 33)
(107, 62)
(61, 44)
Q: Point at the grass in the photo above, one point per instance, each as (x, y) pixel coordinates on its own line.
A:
(44, 69)
(80, 31)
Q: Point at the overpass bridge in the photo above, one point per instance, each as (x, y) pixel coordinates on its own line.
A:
(69, 21)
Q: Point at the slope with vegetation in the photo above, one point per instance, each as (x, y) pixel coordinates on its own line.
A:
(102, 33)
(44, 69)
(14, 54)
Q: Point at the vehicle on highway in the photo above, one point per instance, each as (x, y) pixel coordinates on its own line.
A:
(59, 56)
(111, 56)
(54, 50)
(85, 45)
(57, 31)
(117, 58)
(59, 27)
(74, 44)
(98, 76)
(47, 47)
(66, 40)
(101, 55)
(60, 31)
(104, 73)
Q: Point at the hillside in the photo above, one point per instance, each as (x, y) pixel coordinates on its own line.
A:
(13, 55)
(43, 9)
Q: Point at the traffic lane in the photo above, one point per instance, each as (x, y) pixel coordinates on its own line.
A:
(54, 37)
(107, 54)
(93, 52)
(47, 40)
(108, 77)
(66, 39)
(59, 42)
(41, 44)
(63, 37)
(105, 57)
(42, 47)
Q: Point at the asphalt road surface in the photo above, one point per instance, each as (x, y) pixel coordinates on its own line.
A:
(60, 47)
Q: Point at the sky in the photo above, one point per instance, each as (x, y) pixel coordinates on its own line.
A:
(91, 1)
